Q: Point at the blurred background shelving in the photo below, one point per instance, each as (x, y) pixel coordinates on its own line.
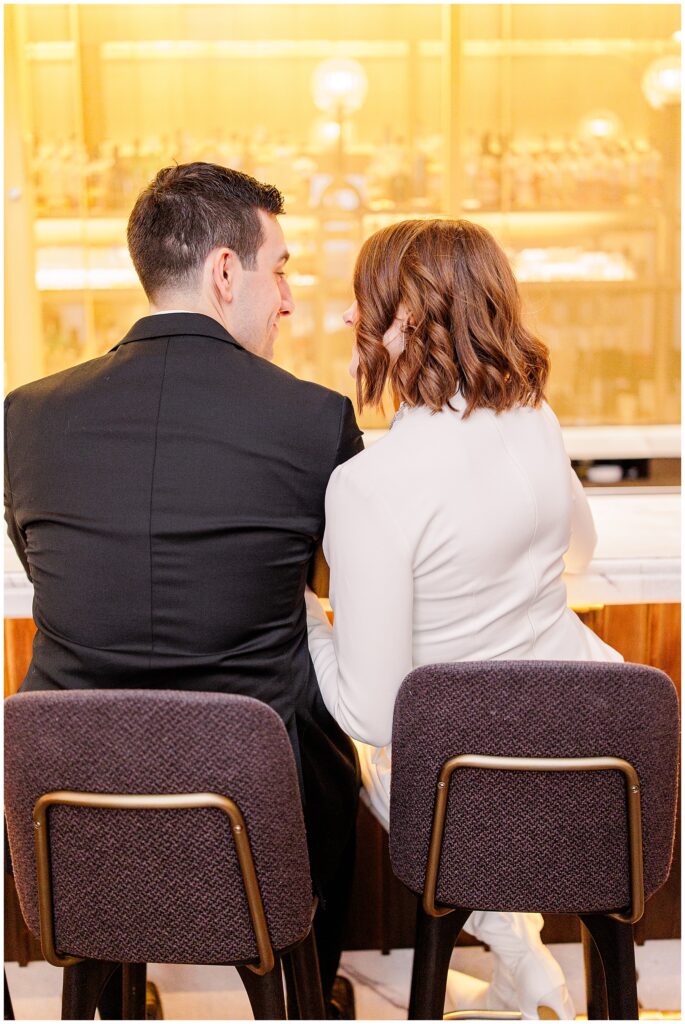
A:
(556, 127)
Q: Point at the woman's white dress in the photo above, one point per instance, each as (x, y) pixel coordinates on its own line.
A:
(446, 541)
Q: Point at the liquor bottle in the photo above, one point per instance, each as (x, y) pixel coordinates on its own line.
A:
(116, 182)
(557, 172)
(304, 169)
(524, 178)
(419, 172)
(36, 149)
(549, 192)
(385, 172)
(153, 158)
(567, 174)
(283, 166)
(632, 176)
(236, 153)
(262, 148)
(651, 172)
(399, 184)
(586, 191)
(73, 174)
(247, 157)
(471, 169)
(615, 175)
(600, 175)
(53, 186)
(489, 183)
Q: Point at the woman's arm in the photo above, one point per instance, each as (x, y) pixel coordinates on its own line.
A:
(362, 662)
(583, 534)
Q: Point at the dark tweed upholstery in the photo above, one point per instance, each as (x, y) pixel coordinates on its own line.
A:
(158, 886)
(527, 841)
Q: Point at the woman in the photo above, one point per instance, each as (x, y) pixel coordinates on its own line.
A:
(447, 539)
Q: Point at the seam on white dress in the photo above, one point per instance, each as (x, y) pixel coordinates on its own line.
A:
(527, 483)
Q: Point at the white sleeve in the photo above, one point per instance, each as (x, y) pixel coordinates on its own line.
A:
(583, 534)
(361, 663)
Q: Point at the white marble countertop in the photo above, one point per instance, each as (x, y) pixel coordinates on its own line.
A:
(656, 441)
(637, 560)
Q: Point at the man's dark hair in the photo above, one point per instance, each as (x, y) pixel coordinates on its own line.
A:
(187, 211)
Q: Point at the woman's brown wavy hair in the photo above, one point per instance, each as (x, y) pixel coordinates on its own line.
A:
(463, 328)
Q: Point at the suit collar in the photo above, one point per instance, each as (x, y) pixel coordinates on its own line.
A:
(164, 325)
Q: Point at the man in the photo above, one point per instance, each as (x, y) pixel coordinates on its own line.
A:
(166, 498)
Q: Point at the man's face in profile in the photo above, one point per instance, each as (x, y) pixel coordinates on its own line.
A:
(262, 296)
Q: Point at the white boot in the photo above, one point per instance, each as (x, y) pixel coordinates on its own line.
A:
(526, 976)
(465, 992)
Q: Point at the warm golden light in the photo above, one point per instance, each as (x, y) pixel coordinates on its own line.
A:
(325, 133)
(661, 82)
(602, 124)
(339, 86)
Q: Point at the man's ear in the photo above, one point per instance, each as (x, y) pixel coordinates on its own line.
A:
(223, 272)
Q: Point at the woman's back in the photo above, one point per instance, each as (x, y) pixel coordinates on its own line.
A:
(446, 541)
(485, 504)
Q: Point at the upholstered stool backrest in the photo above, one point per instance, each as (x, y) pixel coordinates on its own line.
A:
(523, 841)
(157, 885)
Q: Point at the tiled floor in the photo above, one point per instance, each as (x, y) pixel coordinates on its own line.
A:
(381, 984)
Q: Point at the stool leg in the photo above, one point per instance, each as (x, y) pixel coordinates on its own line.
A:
(133, 992)
(595, 985)
(110, 1001)
(265, 992)
(82, 986)
(292, 1009)
(616, 948)
(8, 1008)
(435, 939)
(302, 966)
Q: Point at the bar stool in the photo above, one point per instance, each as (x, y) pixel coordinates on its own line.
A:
(543, 787)
(159, 826)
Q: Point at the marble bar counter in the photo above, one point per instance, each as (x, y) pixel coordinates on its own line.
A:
(647, 441)
(637, 560)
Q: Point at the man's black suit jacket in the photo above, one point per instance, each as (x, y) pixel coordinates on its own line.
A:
(166, 500)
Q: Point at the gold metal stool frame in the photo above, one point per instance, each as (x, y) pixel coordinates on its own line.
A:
(150, 802)
(534, 764)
